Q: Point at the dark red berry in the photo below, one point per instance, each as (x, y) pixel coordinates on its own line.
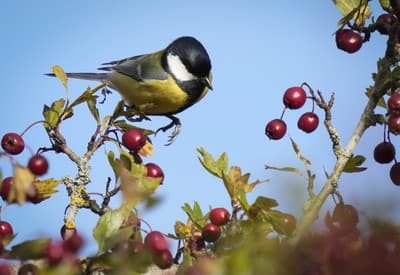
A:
(5, 269)
(294, 97)
(384, 22)
(394, 124)
(163, 259)
(54, 253)
(384, 152)
(394, 104)
(12, 143)
(219, 216)
(211, 232)
(154, 171)
(134, 139)
(28, 269)
(345, 214)
(5, 188)
(196, 243)
(67, 232)
(5, 229)
(38, 165)
(308, 122)
(289, 224)
(348, 40)
(395, 173)
(73, 243)
(35, 197)
(155, 241)
(275, 129)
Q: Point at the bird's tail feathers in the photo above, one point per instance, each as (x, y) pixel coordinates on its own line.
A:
(88, 76)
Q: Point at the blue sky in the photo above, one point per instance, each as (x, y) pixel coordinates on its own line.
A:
(258, 49)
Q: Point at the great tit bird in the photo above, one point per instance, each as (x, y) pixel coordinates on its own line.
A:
(163, 83)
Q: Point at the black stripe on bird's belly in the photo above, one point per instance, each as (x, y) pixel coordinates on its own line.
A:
(194, 89)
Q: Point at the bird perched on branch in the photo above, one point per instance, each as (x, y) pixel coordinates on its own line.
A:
(162, 83)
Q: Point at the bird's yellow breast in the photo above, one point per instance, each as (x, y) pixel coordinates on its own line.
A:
(152, 97)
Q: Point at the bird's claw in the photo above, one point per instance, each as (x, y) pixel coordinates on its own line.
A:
(174, 122)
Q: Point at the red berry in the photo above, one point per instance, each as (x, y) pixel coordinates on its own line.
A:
(289, 224)
(275, 129)
(5, 229)
(154, 171)
(394, 124)
(308, 122)
(348, 40)
(12, 143)
(211, 232)
(394, 104)
(73, 243)
(163, 259)
(155, 241)
(219, 216)
(384, 21)
(54, 253)
(294, 97)
(196, 243)
(384, 152)
(38, 165)
(5, 188)
(35, 196)
(28, 269)
(5, 269)
(134, 139)
(345, 214)
(395, 173)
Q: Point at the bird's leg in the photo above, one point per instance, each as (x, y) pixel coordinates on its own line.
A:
(134, 115)
(174, 122)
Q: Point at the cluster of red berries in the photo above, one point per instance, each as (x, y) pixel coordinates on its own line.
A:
(212, 230)
(134, 139)
(351, 41)
(293, 98)
(385, 151)
(156, 243)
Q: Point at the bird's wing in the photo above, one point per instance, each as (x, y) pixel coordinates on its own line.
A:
(140, 67)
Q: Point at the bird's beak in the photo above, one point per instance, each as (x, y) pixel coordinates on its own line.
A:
(207, 82)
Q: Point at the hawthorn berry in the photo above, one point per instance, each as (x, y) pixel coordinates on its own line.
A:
(275, 129)
(38, 165)
(155, 242)
(345, 214)
(5, 188)
(12, 143)
(196, 243)
(395, 173)
(294, 97)
(394, 104)
(54, 253)
(73, 243)
(308, 122)
(163, 259)
(219, 216)
(35, 196)
(154, 171)
(348, 40)
(384, 152)
(134, 139)
(384, 21)
(394, 124)
(211, 232)
(5, 229)
(5, 269)
(28, 269)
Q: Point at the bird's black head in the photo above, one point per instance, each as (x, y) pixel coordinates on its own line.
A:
(191, 53)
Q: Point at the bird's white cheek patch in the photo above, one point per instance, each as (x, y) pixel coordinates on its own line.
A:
(178, 69)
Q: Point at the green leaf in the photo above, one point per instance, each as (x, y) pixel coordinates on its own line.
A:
(108, 231)
(285, 169)
(381, 101)
(30, 250)
(195, 214)
(53, 113)
(385, 4)
(60, 74)
(357, 10)
(123, 125)
(353, 164)
(264, 203)
(299, 155)
(93, 109)
(216, 167)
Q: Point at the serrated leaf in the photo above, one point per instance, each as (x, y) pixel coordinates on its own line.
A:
(195, 214)
(22, 184)
(52, 114)
(184, 231)
(353, 164)
(60, 74)
(299, 155)
(30, 250)
(46, 188)
(357, 10)
(108, 229)
(216, 167)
